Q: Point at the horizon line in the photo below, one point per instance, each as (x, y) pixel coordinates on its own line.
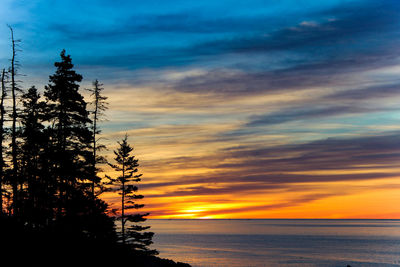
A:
(203, 219)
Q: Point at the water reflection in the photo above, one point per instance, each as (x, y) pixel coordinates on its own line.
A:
(280, 242)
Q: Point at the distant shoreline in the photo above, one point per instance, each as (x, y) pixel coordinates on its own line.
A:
(320, 219)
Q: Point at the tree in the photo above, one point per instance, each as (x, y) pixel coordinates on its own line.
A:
(2, 114)
(32, 197)
(48, 187)
(99, 106)
(133, 235)
(67, 158)
(70, 149)
(14, 148)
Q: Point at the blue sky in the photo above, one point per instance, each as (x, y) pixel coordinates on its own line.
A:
(276, 94)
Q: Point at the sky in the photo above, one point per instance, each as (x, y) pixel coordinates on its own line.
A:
(236, 109)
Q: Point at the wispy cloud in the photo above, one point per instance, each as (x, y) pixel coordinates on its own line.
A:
(255, 106)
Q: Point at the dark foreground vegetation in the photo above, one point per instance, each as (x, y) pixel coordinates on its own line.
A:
(50, 209)
(52, 247)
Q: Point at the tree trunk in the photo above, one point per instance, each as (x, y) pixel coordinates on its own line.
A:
(123, 204)
(2, 111)
(13, 129)
(94, 144)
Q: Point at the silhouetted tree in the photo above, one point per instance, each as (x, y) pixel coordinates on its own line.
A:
(70, 137)
(67, 158)
(132, 235)
(49, 187)
(99, 106)
(33, 139)
(14, 90)
(2, 115)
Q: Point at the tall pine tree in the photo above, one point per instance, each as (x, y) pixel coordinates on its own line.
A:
(69, 154)
(70, 136)
(132, 234)
(33, 195)
(99, 105)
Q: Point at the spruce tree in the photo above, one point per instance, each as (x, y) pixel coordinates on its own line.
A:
(99, 105)
(68, 157)
(31, 169)
(134, 234)
(70, 135)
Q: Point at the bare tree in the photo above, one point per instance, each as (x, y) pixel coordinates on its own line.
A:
(14, 90)
(2, 113)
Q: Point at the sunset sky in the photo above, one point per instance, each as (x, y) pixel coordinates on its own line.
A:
(236, 109)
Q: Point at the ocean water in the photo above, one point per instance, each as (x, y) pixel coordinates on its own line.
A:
(279, 242)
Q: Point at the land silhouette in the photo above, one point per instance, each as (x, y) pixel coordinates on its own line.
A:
(50, 206)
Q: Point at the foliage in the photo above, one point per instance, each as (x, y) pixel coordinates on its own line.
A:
(134, 234)
(47, 189)
(99, 105)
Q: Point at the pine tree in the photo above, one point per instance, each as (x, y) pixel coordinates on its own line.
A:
(99, 106)
(70, 136)
(33, 140)
(68, 155)
(132, 235)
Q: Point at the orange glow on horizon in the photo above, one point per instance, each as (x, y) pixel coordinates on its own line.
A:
(334, 200)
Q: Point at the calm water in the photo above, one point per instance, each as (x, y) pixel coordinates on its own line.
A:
(279, 242)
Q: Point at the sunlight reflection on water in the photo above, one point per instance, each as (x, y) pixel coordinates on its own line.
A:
(279, 242)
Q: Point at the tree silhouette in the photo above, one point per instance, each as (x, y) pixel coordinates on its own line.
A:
(49, 187)
(2, 118)
(14, 90)
(132, 235)
(69, 133)
(32, 143)
(99, 106)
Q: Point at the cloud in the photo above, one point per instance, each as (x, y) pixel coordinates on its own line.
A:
(335, 71)
(371, 92)
(304, 114)
(239, 102)
(267, 207)
(190, 37)
(351, 23)
(251, 169)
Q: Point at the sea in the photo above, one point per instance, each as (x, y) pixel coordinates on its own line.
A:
(274, 242)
